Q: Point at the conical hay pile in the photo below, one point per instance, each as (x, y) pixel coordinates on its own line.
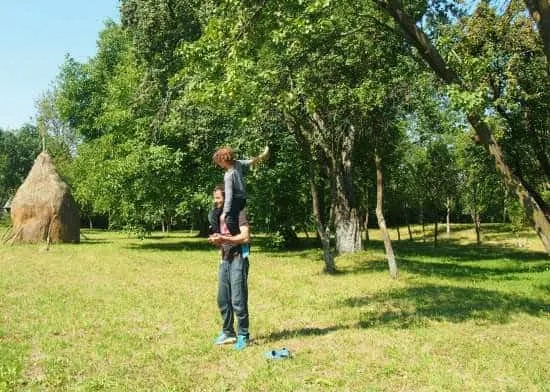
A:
(43, 208)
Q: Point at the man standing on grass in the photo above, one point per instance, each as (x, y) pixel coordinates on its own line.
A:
(232, 276)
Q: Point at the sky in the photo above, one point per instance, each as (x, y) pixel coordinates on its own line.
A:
(35, 36)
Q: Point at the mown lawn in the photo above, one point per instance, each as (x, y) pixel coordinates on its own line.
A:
(121, 314)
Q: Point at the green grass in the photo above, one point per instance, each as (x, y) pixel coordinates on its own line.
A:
(119, 314)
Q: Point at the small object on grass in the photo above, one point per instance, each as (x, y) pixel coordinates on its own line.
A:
(283, 353)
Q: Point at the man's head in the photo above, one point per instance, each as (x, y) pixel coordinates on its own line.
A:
(219, 195)
(224, 157)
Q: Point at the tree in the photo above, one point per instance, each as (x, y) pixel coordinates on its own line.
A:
(484, 134)
(480, 190)
(18, 149)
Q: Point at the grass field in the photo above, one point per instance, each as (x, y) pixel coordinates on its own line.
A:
(121, 314)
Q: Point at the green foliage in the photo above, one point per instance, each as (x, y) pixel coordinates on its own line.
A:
(501, 61)
(481, 191)
(325, 83)
(18, 150)
(134, 184)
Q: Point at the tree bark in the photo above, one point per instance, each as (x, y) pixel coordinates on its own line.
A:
(339, 155)
(422, 223)
(429, 53)
(322, 231)
(346, 219)
(367, 226)
(408, 223)
(398, 234)
(448, 220)
(477, 225)
(346, 223)
(394, 273)
(540, 12)
(435, 232)
(504, 209)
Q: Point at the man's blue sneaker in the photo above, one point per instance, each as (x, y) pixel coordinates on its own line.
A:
(242, 342)
(224, 339)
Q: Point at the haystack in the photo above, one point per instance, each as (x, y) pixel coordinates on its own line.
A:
(43, 208)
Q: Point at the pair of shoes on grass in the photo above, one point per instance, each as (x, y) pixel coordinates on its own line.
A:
(240, 341)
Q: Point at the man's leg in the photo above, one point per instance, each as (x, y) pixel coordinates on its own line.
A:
(224, 301)
(239, 293)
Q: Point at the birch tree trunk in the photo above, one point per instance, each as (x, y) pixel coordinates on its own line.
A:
(448, 220)
(367, 226)
(394, 273)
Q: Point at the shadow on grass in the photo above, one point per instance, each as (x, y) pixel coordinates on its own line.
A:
(449, 269)
(301, 332)
(192, 245)
(464, 252)
(95, 241)
(417, 305)
(263, 243)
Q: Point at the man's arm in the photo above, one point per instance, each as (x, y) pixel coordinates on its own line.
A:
(242, 238)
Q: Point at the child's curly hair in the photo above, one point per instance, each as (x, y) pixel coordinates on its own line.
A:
(224, 154)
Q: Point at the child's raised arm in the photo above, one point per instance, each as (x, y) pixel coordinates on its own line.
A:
(262, 157)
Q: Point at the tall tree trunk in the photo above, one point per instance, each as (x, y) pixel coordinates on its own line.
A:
(346, 224)
(448, 220)
(322, 231)
(398, 234)
(367, 239)
(305, 229)
(408, 223)
(91, 223)
(304, 137)
(477, 225)
(429, 53)
(422, 223)
(394, 273)
(346, 219)
(344, 208)
(365, 218)
(540, 12)
(435, 232)
(504, 212)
